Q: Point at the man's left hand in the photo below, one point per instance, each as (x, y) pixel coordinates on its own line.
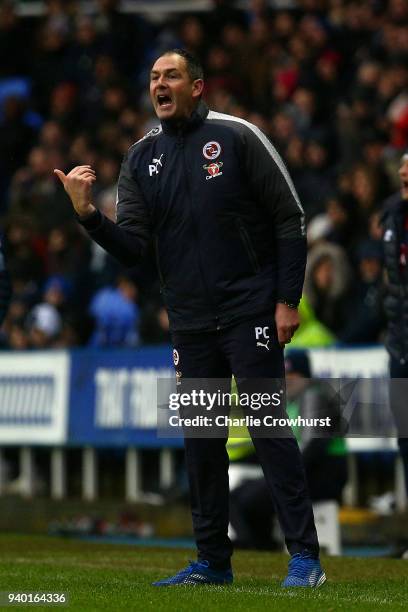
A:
(287, 321)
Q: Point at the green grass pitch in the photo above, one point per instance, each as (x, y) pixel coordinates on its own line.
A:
(109, 577)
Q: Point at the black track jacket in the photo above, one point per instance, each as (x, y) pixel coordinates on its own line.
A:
(226, 220)
(396, 290)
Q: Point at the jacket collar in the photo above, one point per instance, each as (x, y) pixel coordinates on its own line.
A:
(181, 127)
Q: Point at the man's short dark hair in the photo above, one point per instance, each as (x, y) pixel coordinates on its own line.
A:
(194, 67)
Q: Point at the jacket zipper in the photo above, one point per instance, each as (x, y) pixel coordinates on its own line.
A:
(180, 141)
(247, 242)
(159, 270)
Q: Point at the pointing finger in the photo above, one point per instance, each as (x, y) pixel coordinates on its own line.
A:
(60, 175)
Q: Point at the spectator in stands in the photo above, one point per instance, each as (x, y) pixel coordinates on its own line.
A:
(14, 42)
(25, 259)
(86, 46)
(234, 39)
(367, 322)
(311, 332)
(192, 36)
(17, 136)
(57, 292)
(219, 72)
(125, 37)
(315, 183)
(116, 315)
(373, 154)
(53, 137)
(65, 252)
(44, 326)
(364, 188)
(223, 13)
(64, 106)
(17, 339)
(327, 284)
(340, 224)
(49, 62)
(35, 194)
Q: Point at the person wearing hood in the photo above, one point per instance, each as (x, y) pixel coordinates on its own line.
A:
(327, 283)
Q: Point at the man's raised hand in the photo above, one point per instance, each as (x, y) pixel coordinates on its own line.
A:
(78, 185)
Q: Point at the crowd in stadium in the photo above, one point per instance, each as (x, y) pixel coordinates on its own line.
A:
(327, 81)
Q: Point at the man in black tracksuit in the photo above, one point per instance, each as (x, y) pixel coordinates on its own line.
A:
(395, 241)
(228, 228)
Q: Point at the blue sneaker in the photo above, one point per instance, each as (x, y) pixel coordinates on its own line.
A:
(198, 572)
(304, 571)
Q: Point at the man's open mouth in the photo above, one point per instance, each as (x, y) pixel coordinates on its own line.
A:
(164, 100)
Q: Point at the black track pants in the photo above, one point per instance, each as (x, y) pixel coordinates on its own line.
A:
(249, 351)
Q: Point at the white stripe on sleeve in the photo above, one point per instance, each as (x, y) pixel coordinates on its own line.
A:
(268, 146)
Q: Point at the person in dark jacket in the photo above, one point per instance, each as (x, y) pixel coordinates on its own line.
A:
(365, 299)
(228, 227)
(5, 285)
(395, 239)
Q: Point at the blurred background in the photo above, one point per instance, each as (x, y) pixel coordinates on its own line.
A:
(85, 340)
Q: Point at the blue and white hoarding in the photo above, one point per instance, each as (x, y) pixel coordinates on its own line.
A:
(34, 398)
(113, 399)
